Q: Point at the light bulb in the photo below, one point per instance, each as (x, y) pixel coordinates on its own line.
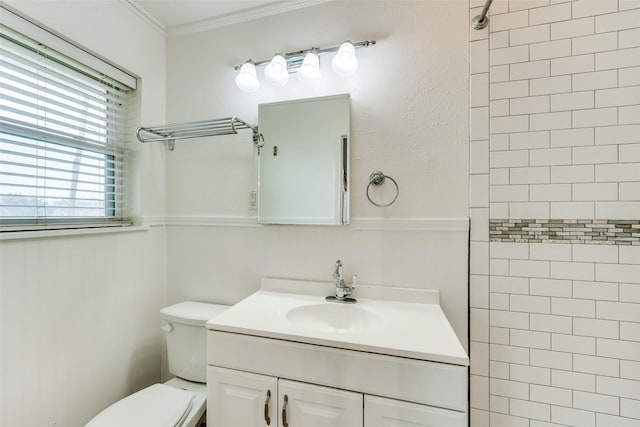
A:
(247, 80)
(276, 71)
(310, 68)
(345, 63)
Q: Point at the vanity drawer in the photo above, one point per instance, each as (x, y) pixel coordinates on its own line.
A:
(430, 383)
(381, 412)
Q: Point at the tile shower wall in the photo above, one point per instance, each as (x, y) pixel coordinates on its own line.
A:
(555, 210)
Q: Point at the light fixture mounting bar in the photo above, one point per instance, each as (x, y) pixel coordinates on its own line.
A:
(294, 59)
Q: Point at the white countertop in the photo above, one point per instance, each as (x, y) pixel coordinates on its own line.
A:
(404, 322)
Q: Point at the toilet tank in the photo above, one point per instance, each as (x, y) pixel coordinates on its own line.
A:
(186, 334)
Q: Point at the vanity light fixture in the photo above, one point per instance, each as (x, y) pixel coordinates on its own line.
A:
(306, 63)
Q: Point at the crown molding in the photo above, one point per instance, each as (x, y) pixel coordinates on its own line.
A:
(240, 16)
(140, 11)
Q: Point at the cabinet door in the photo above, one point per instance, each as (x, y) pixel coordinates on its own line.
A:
(379, 412)
(305, 405)
(240, 399)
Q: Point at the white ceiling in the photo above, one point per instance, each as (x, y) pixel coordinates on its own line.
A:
(173, 13)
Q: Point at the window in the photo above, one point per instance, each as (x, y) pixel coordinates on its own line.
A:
(62, 131)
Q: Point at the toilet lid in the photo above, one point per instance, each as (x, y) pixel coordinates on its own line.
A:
(158, 405)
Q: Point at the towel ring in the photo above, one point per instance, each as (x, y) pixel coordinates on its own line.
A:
(376, 179)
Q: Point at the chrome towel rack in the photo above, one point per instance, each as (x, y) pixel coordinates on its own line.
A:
(204, 128)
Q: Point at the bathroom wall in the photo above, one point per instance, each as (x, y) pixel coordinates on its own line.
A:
(79, 313)
(408, 119)
(555, 208)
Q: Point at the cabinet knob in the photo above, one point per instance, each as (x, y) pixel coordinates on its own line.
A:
(284, 411)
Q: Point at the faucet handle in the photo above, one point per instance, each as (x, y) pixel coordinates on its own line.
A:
(354, 281)
(337, 273)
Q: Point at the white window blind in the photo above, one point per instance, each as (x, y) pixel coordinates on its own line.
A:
(62, 152)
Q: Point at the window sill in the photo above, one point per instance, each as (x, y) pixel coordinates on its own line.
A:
(42, 234)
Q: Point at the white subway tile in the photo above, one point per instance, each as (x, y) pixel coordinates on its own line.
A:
(626, 311)
(499, 40)
(479, 90)
(499, 404)
(525, 210)
(573, 417)
(573, 307)
(499, 142)
(478, 191)
(498, 159)
(478, 123)
(630, 114)
(593, 155)
(498, 301)
(530, 304)
(507, 90)
(573, 28)
(629, 293)
(529, 105)
(617, 209)
(551, 49)
(618, 59)
(617, 172)
(593, 7)
(619, 387)
(528, 140)
(595, 253)
(573, 380)
(596, 365)
(522, 268)
(478, 291)
(550, 287)
(530, 339)
(626, 273)
(629, 153)
(576, 210)
(629, 254)
(618, 97)
(625, 134)
(479, 157)
(595, 117)
(499, 108)
(507, 319)
(508, 193)
(505, 388)
(595, 290)
(550, 359)
(550, 251)
(530, 374)
(550, 157)
(508, 354)
(628, 4)
(572, 101)
(526, 4)
(527, 409)
(499, 73)
(573, 64)
(478, 417)
(502, 420)
(498, 176)
(479, 392)
(572, 137)
(595, 43)
(479, 324)
(631, 409)
(595, 80)
(528, 35)
(530, 70)
(509, 250)
(549, 323)
(479, 259)
(549, 192)
(498, 210)
(596, 402)
(630, 331)
(550, 121)
(501, 6)
(629, 370)
(596, 192)
(479, 56)
(479, 224)
(617, 21)
(499, 369)
(550, 85)
(507, 21)
(555, 13)
(509, 55)
(629, 38)
(552, 395)
(627, 350)
(499, 336)
(572, 270)
(479, 358)
(612, 420)
(509, 124)
(596, 328)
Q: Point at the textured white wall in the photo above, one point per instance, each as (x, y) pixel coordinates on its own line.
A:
(408, 119)
(79, 315)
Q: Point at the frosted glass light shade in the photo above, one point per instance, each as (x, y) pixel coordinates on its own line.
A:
(310, 68)
(345, 63)
(276, 71)
(247, 79)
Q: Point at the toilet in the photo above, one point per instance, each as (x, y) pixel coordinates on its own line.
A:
(181, 401)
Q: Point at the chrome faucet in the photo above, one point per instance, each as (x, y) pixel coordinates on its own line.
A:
(342, 289)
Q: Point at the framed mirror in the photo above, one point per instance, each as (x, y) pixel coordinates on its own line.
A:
(303, 167)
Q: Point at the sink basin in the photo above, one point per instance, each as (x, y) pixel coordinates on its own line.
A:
(334, 317)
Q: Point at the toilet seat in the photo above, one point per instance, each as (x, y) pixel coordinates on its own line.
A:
(158, 405)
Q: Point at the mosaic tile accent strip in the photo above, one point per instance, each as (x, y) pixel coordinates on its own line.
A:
(592, 231)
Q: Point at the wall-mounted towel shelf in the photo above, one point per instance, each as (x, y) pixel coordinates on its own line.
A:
(171, 133)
